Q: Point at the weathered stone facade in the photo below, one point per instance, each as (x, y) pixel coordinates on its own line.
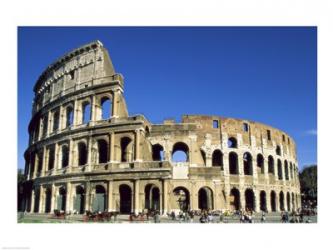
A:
(79, 160)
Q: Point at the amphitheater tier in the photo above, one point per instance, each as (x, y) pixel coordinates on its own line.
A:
(87, 153)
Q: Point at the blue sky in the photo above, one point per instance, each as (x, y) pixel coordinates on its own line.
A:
(264, 74)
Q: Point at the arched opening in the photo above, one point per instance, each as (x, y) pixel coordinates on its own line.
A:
(51, 158)
(249, 200)
(205, 198)
(99, 203)
(247, 163)
(281, 201)
(152, 197)
(69, 116)
(233, 163)
(55, 120)
(103, 151)
(64, 156)
(158, 154)
(260, 163)
(203, 155)
(182, 197)
(180, 152)
(286, 172)
(45, 124)
(217, 158)
(82, 148)
(106, 108)
(234, 199)
(48, 200)
(263, 205)
(280, 176)
(232, 142)
(125, 193)
(293, 201)
(288, 201)
(61, 199)
(273, 201)
(126, 149)
(79, 199)
(291, 171)
(86, 112)
(40, 162)
(271, 165)
(36, 204)
(278, 150)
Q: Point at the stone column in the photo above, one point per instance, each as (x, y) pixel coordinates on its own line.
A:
(226, 164)
(45, 161)
(208, 160)
(87, 196)
(89, 148)
(75, 113)
(266, 168)
(49, 123)
(93, 109)
(242, 198)
(61, 118)
(110, 196)
(136, 196)
(254, 170)
(41, 200)
(53, 197)
(111, 148)
(115, 102)
(165, 197)
(71, 153)
(32, 204)
(268, 201)
(69, 197)
(257, 200)
(56, 157)
(137, 145)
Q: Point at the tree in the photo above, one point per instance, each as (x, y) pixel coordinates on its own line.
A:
(308, 182)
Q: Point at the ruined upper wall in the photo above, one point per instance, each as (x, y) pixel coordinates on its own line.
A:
(85, 66)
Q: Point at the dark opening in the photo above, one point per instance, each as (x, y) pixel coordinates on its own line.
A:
(79, 200)
(260, 163)
(286, 172)
(48, 200)
(232, 142)
(247, 162)
(278, 150)
(102, 151)
(182, 196)
(249, 200)
(51, 158)
(82, 148)
(217, 158)
(288, 201)
(270, 164)
(234, 199)
(273, 201)
(281, 200)
(65, 155)
(99, 204)
(157, 152)
(205, 197)
(233, 163)
(245, 127)
(125, 149)
(125, 193)
(56, 120)
(152, 197)
(269, 135)
(263, 206)
(280, 170)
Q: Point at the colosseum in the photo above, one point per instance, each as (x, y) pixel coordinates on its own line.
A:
(87, 153)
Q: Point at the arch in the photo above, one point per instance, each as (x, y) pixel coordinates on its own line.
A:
(99, 203)
(64, 156)
(48, 195)
(182, 196)
(152, 197)
(69, 116)
(205, 198)
(233, 163)
(36, 202)
(79, 199)
(247, 164)
(55, 120)
(126, 149)
(278, 150)
(234, 199)
(106, 108)
(271, 165)
(125, 193)
(217, 158)
(288, 201)
(61, 199)
(263, 204)
(82, 149)
(249, 200)
(51, 158)
(281, 201)
(273, 201)
(280, 175)
(260, 163)
(103, 151)
(86, 112)
(232, 142)
(293, 201)
(158, 152)
(286, 172)
(180, 152)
